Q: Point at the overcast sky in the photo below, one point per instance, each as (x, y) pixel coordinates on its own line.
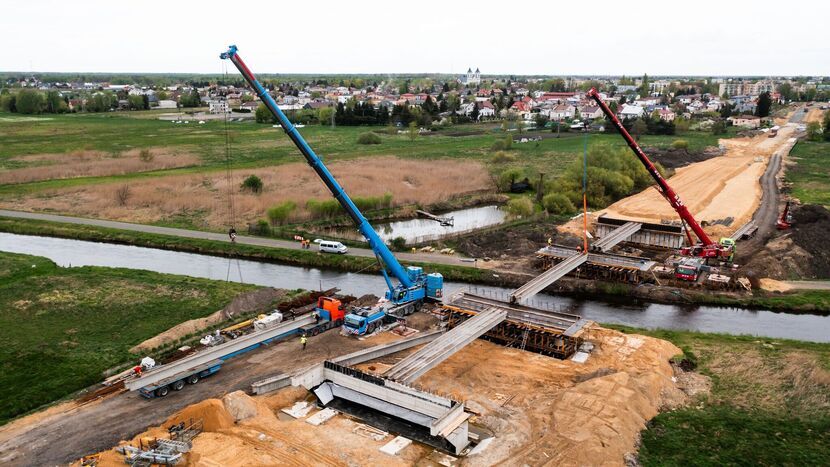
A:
(704, 37)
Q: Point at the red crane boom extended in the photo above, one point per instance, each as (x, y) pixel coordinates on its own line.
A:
(707, 248)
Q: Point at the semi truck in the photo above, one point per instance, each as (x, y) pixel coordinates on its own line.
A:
(161, 379)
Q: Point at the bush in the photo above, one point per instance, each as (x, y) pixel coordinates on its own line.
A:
(510, 176)
(252, 184)
(260, 228)
(398, 243)
(680, 144)
(504, 144)
(502, 157)
(520, 207)
(558, 203)
(278, 214)
(122, 194)
(323, 208)
(365, 203)
(368, 138)
(146, 156)
(814, 132)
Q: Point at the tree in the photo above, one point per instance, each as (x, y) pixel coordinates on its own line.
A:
(55, 103)
(645, 88)
(413, 131)
(814, 132)
(719, 127)
(764, 105)
(29, 101)
(263, 115)
(280, 213)
(8, 101)
(136, 102)
(786, 91)
(639, 128)
(541, 120)
(558, 203)
(827, 126)
(252, 184)
(475, 112)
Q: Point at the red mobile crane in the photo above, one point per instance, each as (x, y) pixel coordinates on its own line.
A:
(705, 247)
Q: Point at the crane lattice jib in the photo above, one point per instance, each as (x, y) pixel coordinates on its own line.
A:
(375, 242)
(665, 189)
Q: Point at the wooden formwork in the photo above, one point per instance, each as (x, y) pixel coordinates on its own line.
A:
(536, 338)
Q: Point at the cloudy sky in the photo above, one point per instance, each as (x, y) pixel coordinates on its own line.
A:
(704, 37)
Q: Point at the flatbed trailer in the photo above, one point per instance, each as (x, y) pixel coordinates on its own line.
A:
(158, 381)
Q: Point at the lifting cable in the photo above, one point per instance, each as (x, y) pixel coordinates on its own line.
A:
(231, 214)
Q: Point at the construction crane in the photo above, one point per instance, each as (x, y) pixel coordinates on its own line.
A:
(414, 286)
(705, 247)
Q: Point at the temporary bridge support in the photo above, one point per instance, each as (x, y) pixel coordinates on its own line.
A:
(413, 366)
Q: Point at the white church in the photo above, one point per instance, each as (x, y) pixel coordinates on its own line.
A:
(471, 78)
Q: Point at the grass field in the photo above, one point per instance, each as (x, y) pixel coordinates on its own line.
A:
(62, 327)
(256, 145)
(769, 405)
(811, 175)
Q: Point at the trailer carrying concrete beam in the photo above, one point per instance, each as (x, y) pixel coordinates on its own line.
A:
(547, 278)
(219, 352)
(413, 366)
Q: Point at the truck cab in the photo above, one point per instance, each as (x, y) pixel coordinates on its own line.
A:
(729, 244)
(364, 320)
(688, 269)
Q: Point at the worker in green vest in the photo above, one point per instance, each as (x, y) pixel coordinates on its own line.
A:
(303, 340)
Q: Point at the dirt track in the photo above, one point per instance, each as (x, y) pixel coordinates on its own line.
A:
(714, 190)
(66, 433)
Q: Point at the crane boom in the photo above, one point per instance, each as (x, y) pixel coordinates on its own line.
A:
(374, 240)
(663, 185)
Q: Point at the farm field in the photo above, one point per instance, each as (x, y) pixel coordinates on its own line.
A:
(74, 163)
(62, 327)
(810, 175)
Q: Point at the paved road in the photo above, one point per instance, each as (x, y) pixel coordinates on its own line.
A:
(242, 239)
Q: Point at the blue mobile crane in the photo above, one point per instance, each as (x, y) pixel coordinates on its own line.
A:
(414, 286)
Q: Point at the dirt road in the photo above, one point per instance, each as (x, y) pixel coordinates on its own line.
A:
(715, 190)
(62, 437)
(219, 237)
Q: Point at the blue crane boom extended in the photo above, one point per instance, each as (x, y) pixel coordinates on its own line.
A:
(413, 283)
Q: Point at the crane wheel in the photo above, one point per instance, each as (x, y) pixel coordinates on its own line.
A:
(418, 305)
(315, 331)
(162, 391)
(192, 379)
(178, 385)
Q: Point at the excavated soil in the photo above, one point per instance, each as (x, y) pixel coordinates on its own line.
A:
(675, 158)
(540, 410)
(802, 252)
(722, 192)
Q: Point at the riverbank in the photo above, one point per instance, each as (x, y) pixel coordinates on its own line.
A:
(61, 328)
(795, 301)
(767, 403)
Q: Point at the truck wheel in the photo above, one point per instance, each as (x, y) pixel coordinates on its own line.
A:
(370, 329)
(192, 379)
(315, 331)
(162, 391)
(178, 385)
(418, 305)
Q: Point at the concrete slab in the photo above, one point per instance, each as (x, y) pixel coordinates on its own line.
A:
(580, 357)
(395, 446)
(298, 410)
(321, 417)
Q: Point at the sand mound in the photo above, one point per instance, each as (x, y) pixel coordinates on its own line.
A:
(211, 411)
(240, 405)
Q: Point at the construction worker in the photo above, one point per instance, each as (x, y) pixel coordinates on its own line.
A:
(303, 340)
(550, 241)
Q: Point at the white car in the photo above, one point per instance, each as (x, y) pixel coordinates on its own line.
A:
(327, 246)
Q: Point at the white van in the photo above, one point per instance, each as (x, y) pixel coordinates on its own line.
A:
(331, 247)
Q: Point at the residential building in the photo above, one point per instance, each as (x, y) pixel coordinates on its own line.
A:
(631, 111)
(745, 121)
(218, 106)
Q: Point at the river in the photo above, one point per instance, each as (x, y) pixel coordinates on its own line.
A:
(730, 320)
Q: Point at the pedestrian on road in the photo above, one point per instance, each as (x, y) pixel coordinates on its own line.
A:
(303, 340)
(232, 234)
